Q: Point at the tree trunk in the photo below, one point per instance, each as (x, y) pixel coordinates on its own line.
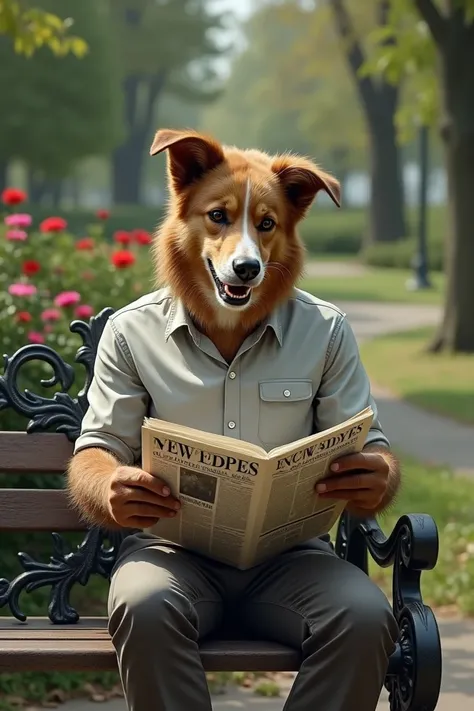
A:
(57, 186)
(128, 158)
(36, 187)
(3, 175)
(379, 101)
(387, 216)
(127, 169)
(456, 332)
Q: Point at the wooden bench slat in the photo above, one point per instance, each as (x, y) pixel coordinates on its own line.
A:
(42, 628)
(37, 510)
(22, 453)
(38, 645)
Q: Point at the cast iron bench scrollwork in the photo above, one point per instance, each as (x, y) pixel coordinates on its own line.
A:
(63, 640)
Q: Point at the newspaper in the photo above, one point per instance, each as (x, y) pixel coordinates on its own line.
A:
(240, 504)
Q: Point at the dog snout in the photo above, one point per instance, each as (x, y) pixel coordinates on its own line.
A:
(246, 269)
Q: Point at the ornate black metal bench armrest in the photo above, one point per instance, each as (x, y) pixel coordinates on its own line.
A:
(96, 555)
(416, 535)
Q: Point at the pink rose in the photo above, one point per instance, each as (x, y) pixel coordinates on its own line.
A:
(51, 315)
(84, 311)
(20, 289)
(18, 219)
(16, 235)
(67, 298)
(35, 337)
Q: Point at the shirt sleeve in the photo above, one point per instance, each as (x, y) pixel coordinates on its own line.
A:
(118, 401)
(345, 388)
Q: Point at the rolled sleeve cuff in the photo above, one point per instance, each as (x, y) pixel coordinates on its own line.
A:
(376, 436)
(106, 441)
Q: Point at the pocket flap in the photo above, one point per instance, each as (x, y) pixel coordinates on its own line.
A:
(285, 390)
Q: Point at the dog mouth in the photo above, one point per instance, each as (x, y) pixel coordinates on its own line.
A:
(229, 293)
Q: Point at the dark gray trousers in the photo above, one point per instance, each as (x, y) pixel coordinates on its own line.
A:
(164, 599)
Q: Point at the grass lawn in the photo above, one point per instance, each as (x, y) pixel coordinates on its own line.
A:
(377, 284)
(441, 383)
(450, 500)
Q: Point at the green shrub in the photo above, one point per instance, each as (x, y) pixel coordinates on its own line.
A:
(342, 232)
(328, 231)
(122, 217)
(400, 255)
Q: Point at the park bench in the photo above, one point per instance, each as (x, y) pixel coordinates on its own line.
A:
(64, 641)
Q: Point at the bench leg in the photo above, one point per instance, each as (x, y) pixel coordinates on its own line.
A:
(415, 686)
(414, 676)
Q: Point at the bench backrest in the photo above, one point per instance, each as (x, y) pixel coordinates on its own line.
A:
(35, 509)
(44, 450)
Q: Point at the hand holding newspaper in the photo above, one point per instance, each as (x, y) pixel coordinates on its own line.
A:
(240, 504)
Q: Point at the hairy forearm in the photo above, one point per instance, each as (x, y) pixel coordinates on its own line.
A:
(88, 478)
(394, 474)
(393, 483)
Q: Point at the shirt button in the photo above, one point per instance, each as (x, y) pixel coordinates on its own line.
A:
(231, 425)
(232, 375)
(286, 393)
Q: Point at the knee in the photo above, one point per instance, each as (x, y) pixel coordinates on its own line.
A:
(148, 607)
(368, 619)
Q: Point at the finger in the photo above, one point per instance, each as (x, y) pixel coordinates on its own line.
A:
(143, 510)
(147, 481)
(368, 461)
(137, 495)
(354, 481)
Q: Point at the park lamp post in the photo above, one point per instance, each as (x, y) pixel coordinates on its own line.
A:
(420, 279)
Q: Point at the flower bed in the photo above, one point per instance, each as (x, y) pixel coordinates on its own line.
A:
(49, 276)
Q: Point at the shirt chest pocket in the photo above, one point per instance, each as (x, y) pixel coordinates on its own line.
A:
(286, 411)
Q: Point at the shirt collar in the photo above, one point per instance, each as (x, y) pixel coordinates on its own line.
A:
(179, 317)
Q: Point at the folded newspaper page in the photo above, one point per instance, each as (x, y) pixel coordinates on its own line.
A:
(240, 504)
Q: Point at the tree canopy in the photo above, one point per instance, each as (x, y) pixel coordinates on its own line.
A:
(290, 89)
(167, 48)
(31, 28)
(57, 110)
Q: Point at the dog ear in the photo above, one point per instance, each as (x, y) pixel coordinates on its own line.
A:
(301, 180)
(190, 155)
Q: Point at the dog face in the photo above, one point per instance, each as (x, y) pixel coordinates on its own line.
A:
(231, 224)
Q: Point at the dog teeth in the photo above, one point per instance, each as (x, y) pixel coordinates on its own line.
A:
(235, 296)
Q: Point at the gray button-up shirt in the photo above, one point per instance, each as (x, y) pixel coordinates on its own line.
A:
(297, 373)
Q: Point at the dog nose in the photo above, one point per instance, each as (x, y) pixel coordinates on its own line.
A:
(246, 269)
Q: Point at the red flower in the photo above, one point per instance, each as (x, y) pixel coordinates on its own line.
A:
(142, 237)
(13, 196)
(35, 337)
(123, 259)
(102, 214)
(30, 267)
(86, 243)
(23, 317)
(84, 311)
(122, 237)
(53, 224)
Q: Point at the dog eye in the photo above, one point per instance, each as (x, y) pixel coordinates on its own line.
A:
(266, 225)
(218, 216)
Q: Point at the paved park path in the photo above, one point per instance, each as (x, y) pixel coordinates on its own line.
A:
(429, 438)
(426, 436)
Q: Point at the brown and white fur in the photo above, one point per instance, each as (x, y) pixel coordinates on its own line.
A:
(260, 199)
(197, 256)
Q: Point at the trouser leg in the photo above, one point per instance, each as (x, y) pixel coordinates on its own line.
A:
(162, 601)
(340, 619)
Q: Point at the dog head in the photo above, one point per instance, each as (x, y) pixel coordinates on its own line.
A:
(229, 242)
